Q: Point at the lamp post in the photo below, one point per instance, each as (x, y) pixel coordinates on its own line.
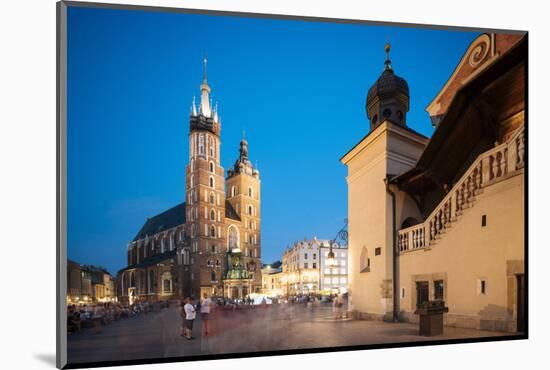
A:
(342, 234)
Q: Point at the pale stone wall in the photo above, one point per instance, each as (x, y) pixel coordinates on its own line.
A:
(468, 252)
(389, 149)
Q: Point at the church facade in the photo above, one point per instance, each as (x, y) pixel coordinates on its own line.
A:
(442, 218)
(211, 242)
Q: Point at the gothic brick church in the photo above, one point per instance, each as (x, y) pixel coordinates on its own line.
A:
(210, 243)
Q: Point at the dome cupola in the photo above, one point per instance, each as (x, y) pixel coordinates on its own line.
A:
(388, 97)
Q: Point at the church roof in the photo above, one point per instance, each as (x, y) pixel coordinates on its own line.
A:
(387, 84)
(230, 211)
(163, 221)
(151, 261)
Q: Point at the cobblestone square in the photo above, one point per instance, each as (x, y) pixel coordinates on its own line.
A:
(278, 327)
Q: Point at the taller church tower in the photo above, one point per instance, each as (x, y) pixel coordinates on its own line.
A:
(205, 206)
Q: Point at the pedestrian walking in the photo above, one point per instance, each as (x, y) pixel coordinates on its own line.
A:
(182, 315)
(206, 306)
(97, 317)
(339, 303)
(189, 318)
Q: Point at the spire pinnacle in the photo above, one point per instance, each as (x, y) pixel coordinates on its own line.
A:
(194, 107)
(205, 60)
(387, 63)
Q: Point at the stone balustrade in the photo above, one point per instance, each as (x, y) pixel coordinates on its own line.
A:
(490, 167)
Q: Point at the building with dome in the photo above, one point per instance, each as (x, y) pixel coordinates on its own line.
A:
(442, 218)
(211, 242)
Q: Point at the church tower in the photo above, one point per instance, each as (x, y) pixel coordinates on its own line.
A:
(205, 206)
(243, 195)
(390, 148)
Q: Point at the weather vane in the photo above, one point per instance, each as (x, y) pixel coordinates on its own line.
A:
(387, 63)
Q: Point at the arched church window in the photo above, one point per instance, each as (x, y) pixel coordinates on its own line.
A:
(250, 192)
(212, 215)
(213, 276)
(364, 261)
(212, 198)
(201, 145)
(167, 282)
(212, 231)
(212, 167)
(211, 182)
(233, 238)
(400, 115)
(386, 113)
(250, 210)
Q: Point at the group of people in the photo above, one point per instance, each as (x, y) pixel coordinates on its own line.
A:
(338, 306)
(96, 315)
(188, 314)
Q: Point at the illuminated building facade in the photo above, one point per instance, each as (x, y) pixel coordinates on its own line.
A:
(211, 242)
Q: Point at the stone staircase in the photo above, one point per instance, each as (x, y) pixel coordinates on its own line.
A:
(490, 167)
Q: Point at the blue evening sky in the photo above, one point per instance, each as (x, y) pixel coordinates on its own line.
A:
(297, 88)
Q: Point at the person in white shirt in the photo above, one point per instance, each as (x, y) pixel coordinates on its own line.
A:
(189, 312)
(206, 306)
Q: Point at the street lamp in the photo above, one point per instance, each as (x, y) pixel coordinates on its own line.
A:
(330, 257)
(343, 235)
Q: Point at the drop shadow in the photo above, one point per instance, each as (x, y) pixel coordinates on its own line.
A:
(47, 358)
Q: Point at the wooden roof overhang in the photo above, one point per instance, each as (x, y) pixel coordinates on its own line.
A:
(471, 123)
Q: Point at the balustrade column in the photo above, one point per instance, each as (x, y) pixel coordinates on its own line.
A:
(486, 169)
(503, 162)
(478, 176)
(521, 150)
(512, 155)
(495, 165)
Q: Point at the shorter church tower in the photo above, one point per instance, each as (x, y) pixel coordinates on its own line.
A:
(243, 195)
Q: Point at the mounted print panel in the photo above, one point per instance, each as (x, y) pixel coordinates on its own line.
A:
(236, 185)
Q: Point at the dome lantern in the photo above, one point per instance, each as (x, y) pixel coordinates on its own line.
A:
(388, 97)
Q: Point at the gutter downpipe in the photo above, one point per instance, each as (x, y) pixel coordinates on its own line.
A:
(394, 252)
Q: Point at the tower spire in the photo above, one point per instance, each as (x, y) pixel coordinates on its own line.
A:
(205, 107)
